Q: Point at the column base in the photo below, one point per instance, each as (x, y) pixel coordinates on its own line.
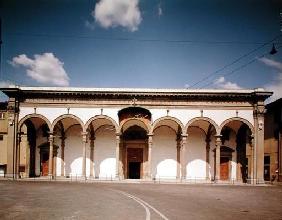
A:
(51, 176)
(260, 181)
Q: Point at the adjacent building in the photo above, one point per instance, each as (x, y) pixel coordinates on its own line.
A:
(273, 146)
(99, 133)
(3, 138)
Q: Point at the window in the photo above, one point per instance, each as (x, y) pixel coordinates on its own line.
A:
(1, 137)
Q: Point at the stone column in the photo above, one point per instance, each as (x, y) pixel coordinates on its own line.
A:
(259, 142)
(178, 146)
(218, 144)
(27, 153)
(182, 156)
(50, 165)
(207, 157)
(251, 176)
(84, 140)
(118, 166)
(92, 156)
(18, 155)
(63, 138)
(55, 151)
(149, 165)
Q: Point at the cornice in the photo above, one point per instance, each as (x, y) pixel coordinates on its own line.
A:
(70, 93)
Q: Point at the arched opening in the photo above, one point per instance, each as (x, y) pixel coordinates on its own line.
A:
(133, 155)
(68, 161)
(101, 161)
(134, 151)
(236, 164)
(44, 150)
(166, 148)
(33, 131)
(201, 143)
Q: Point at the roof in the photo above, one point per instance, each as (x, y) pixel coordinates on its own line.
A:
(21, 91)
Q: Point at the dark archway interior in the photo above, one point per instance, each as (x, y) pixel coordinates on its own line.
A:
(242, 140)
(32, 133)
(134, 112)
(135, 133)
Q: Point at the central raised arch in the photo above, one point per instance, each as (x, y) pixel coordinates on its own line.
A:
(134, 128)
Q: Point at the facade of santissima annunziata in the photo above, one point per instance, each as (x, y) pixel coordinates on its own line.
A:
(148, 134)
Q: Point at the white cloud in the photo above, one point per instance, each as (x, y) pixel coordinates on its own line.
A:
(271, 63)
(89, 24)
(45, 68)
(160, 10)
(5, 84)
(113, 13)
(221, 83)
(276, 85)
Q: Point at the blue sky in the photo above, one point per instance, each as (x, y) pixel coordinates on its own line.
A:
(145, 43)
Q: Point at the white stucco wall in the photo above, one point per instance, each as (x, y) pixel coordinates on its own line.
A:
(73, 151)
(184, 115)
(231, 143)
(164, 153)
(105, 154)
(196, 154)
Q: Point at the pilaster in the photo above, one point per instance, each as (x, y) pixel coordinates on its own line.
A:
(259, 142)
(12, 137)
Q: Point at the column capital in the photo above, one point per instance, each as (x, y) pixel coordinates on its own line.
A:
(259, 111)
(118, 138)
(84, 136)
(51, 137)
(150, 140)
(184, 139)
(218, 140)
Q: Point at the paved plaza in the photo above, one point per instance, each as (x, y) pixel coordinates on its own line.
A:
(64, 200)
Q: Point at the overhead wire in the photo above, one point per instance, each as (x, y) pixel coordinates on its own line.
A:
(131, 39)
(239, 68)
(235, 61)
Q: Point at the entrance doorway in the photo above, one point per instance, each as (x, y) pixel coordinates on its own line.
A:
(224, 168)
(44, 162)
(135, 162)
(134, 170)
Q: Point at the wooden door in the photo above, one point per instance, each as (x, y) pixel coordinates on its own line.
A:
(45, 168)
(134, 163)
(224, 168)
(45, 163)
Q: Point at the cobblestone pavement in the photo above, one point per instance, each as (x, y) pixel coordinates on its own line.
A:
(62, 200)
